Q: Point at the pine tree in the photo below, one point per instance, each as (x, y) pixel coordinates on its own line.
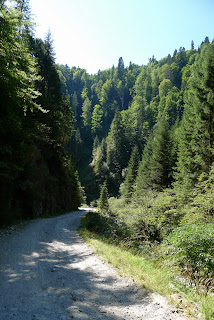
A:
(196, 141)
(86, 114)
(143, 179)
(103, 200)
(160, 161)
(155, 170)
(97, 119)
(120, 69)
(18, 95)
(131, 174)
(116, 146)
(192, 45)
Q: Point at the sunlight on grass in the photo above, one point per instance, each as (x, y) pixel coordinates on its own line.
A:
(152, 277)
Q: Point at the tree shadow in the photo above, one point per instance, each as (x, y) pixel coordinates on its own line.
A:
(58, 277)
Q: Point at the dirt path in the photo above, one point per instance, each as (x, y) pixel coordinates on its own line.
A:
(48, 273)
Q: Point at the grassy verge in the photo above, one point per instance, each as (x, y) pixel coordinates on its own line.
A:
(147, 272)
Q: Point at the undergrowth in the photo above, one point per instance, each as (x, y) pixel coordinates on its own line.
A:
(153, 263)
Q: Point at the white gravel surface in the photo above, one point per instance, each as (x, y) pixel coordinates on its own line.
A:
(47, 272)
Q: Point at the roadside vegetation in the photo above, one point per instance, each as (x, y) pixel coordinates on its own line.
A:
(180, 267)
(162, 241)
(141, 139)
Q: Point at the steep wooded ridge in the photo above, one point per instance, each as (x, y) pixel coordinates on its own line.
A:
(37, 172)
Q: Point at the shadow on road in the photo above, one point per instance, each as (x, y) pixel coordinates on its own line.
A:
(47, 272)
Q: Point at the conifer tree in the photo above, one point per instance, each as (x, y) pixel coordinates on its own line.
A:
(128, 187)
(196, 141)
(86, 115)
(160, 161)
(120, 69)
(143, 179)
(97, 119)
(103, 200)
(154, 170)
(18, 95)
(116, 146)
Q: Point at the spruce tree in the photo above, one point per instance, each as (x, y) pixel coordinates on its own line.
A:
(116, 146)
(160, 161)
(18, 95)
(196, 141)
(128, 187)
(86, 114)
(143, 179)
(154, 170)
(103, 200)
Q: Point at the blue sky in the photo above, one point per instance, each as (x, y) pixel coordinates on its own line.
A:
(93, 34)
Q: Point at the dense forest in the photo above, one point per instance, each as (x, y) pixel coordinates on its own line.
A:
(38, 174)
(140, 137)
(157, 118)
(144, 148)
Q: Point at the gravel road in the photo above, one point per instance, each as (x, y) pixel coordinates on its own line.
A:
(47, 272)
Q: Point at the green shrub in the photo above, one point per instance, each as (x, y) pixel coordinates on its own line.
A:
(192, 248)
(93, 221)
(149, 217)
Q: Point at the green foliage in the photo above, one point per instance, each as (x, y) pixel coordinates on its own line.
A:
(195, 154)
(86, 115)
(103, 200)
(97, 116)
(131, 174)
(199, 207)
(18, 71)
(99, 159)
(164, 88)
(37, 174)
(116, 146)
(165, 108)
(96, 222)
(149, 217)
(155, 167)
(191, 247)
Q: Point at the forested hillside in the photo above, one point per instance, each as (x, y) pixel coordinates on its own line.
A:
(144, 147)
(141, 138)
(162, 109)
(37, 174)
(147, 131)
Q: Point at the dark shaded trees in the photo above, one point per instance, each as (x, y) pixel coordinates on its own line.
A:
(37, 174)
(197, 127)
